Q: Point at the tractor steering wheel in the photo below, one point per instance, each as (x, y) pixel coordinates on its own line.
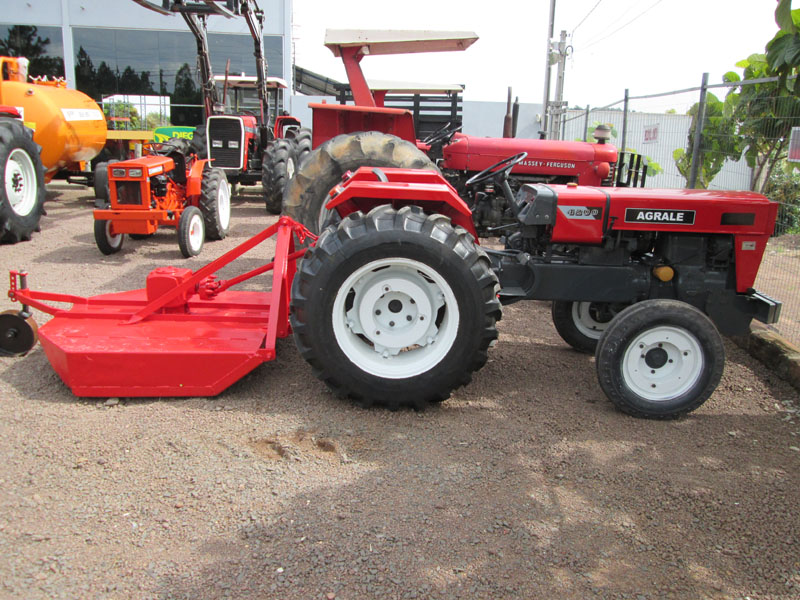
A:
(503, 167)
(443, 134)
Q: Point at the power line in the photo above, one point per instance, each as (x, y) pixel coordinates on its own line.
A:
(597, 41)
(586, 17)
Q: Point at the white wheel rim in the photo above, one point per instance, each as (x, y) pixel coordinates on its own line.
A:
(224, 205)
(114, 240)
(585, 323)
(662, 363)
(21, 185)
(389, 327)
(196, 232)
(290, 169)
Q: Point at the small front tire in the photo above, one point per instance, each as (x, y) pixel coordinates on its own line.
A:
(191, 231)
(107, 242)
(660, 359)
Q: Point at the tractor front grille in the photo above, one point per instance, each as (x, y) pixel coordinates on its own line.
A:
(225, 142)
(129, 192)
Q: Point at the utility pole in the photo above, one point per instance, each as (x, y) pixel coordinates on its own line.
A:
(547, 64)
(558, 105)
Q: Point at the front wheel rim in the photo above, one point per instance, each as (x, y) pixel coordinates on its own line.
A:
(114, 240)
(585, 323)
(395, 318)
(663, 363)
(21, 185)
(196, 232)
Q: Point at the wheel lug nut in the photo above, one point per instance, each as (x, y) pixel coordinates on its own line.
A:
(377, 312)
(408, 317)
(391, 323)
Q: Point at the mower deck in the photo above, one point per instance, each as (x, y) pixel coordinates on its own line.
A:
(97, 352)
(185, 334)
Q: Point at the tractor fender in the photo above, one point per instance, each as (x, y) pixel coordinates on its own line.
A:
(369, 187)
(195, 179)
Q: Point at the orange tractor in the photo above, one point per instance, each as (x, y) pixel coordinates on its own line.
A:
(170, 187)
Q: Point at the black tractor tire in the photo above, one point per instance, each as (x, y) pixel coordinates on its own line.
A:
(581, 324)
(107, 243)
(278, 168)
(191, 231)
(215, 204)
(414, 277)
(198, 144)
(102, 193)
(302, 144)
(175, 145)
(22, 188)
(660, 359)
(306, 194)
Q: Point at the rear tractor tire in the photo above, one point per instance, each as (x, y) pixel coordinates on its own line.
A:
(22, 188)
(198, 144)
(278, 168)
(395, 308)
(660, 359)
(581, 324)
(191, 231)
(302, 144)
(215, 203)
(306, 194)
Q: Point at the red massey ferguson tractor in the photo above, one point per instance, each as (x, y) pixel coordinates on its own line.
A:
(396, 304)
(346, 137)
(243, 138)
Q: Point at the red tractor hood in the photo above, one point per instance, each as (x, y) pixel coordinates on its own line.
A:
(572, 160)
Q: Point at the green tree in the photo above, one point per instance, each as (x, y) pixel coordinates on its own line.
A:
(718, 143)
(765, 114)
(783, 50)
(117, 112)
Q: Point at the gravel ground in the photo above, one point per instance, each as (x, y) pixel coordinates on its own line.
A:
(525, 484)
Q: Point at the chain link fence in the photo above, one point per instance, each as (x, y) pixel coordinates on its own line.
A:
(741, 144)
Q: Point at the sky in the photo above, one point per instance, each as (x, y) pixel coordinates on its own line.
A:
(647, 46)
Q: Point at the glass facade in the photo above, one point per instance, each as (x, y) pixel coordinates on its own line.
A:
(164, 63)
(42, 46)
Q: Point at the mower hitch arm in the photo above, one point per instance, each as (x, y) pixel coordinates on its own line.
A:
(283, 224)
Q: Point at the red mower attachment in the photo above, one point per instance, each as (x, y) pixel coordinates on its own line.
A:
(185, 334)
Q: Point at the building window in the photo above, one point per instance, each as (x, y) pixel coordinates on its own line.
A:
(42, 46)
(161, 63)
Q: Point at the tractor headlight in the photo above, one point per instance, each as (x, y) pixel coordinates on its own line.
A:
(134, 172)
(118, 172)
(216, 143)
(233, 144)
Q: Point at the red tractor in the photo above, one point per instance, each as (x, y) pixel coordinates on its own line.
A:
(246, 141)
(346, 137)
(396, 304)
(168, 187)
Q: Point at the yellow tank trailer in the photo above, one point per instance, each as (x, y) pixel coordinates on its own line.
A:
(67, 125)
